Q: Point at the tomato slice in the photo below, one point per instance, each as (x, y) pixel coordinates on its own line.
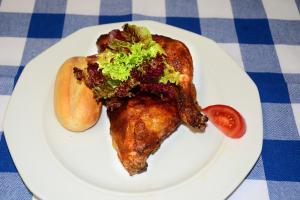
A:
(227, 119)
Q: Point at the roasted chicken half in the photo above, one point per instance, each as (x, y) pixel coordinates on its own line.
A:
(145, 81)
(140, 123)
(138, 128)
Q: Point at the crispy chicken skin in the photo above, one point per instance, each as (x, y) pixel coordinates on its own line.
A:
(139, 127)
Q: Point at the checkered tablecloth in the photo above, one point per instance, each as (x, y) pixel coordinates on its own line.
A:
(263, 36)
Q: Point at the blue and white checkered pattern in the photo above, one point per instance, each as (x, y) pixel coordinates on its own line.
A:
(263, 36)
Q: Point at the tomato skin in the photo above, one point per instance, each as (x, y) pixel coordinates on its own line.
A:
(227, 119)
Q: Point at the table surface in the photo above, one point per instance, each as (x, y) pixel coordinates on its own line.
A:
(263, 36)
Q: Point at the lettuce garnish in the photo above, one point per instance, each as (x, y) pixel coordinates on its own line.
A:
(170, 75)
(121, 57)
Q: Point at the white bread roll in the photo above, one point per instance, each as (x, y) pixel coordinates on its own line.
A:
(74, 105)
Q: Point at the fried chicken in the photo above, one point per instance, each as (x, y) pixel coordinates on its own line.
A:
(140, 124)
(138, 128)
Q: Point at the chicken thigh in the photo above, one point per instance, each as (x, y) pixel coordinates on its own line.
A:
(138, 128)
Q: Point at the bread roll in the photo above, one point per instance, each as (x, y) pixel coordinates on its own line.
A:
(75, 107)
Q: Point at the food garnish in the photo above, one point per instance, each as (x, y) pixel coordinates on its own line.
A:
(227, 119)
(130, 59)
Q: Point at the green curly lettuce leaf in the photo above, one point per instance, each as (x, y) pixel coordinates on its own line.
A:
(170, 75)
(117, 61)
(137, 33)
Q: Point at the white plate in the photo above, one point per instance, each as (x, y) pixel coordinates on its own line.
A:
(57, 164)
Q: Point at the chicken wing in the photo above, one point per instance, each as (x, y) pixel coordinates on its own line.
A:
(138, 128)
(178, 55)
